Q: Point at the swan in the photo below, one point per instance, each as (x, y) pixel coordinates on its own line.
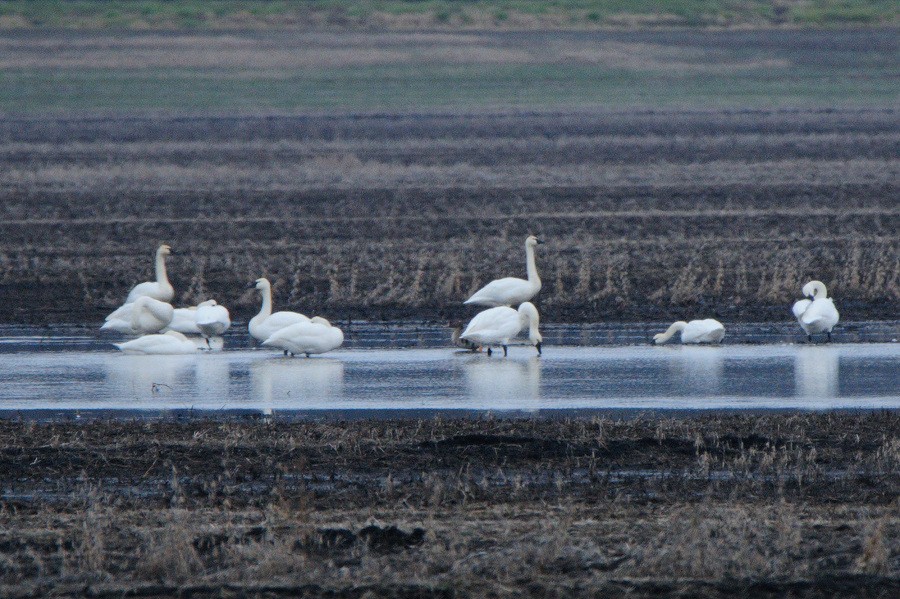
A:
(457, 340)
(172, 342)
(160, 289)
(709, 330)
(496, 326)
(212, 319)
(185, 321)
(146, 315)
(817, 315)
(315, 336)
(265, 324)
(510, 291)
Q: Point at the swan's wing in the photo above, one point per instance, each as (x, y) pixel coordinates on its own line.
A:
(183, 321)
(207, 315)
(118, 325)
(821, 311)
(148, 288)
(493, 322)
(800, 307)
(279, 320)
(121, 313)
(501, 292)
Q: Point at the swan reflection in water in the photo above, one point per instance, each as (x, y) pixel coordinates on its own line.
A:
(149, 377)
(293, 383)
(504, 383)
(816, 371)
(698, 368)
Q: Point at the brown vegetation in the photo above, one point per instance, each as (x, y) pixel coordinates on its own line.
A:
(705, 506)
(646, 215)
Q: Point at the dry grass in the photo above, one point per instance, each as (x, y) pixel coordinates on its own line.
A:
(705, 505)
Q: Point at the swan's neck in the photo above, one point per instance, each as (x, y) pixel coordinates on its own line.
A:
(529, 315)
(266, 309)
(161, 276)
(820, 292)
(673, 328)
(533, 277)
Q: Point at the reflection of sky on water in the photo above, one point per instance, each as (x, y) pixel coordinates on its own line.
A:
(630, 377)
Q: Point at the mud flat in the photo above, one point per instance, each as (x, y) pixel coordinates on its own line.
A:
(711, 506)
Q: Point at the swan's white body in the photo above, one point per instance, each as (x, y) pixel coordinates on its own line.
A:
(496, 326)
(185, 321)
(265, 324)
(315, 336)
(511, 290)
(160, 289)
(709, 330)
(212, 319)
(145, 316)
(817, 315)
(172, 342)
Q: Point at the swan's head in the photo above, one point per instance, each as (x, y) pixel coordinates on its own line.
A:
(164, 250)
(814, 290)
(320, 320)
(532, 241)
(262, 283)
(659, 338)
(210, 302)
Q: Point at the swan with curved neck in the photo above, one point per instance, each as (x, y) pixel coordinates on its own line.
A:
(160, 289)
(511, 290)
(708, 330)
(496, 326)
(265, 324)
(314, 336)
(143, 316)
(817, 314)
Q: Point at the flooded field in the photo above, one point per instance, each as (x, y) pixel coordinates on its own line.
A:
(406, 369)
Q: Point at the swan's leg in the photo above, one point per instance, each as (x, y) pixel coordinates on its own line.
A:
(829, 336)
(285, 353)
(809, 338)
(489, 352)
(504, 351)
(538, 346)
(307, 354)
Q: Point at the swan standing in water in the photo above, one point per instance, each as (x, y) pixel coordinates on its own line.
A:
(316, 336)
(265, 324)
(212, 319)
(817, 315)
(160, 289)
(172, 342)
(144, 316)
(496, 326)
(695, 331)
(511, 290)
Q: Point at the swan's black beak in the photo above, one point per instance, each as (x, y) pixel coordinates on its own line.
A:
(539, 241)
(251, 285)
(538, 346)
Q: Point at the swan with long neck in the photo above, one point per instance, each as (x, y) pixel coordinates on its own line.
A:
(817, 314)
(315, 336)
(708, 330)
(160, 289)
(496, 326)
(511, 290)
(265, 324)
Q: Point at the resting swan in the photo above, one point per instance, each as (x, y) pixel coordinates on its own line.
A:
(172, 342)
(496, 326)
(695, 331)
(817, 315)
(511, 291)
(212, 319)
(144, 316)
(184, 321)
(316, 336)
(160, 289)
(265, 324)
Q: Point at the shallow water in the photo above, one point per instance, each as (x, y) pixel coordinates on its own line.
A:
(403, 368)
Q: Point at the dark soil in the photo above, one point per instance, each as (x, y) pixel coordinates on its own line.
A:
(709, 506)
(646, 215)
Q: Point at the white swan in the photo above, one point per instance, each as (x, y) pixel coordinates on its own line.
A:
(817, 315)
(265, 324)
(172, 342)
(511, 291)
(709, 330)
(160, 289)
(316, 336)
(212, 319)
(146, 315)
(496, 326)
(185, 321)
